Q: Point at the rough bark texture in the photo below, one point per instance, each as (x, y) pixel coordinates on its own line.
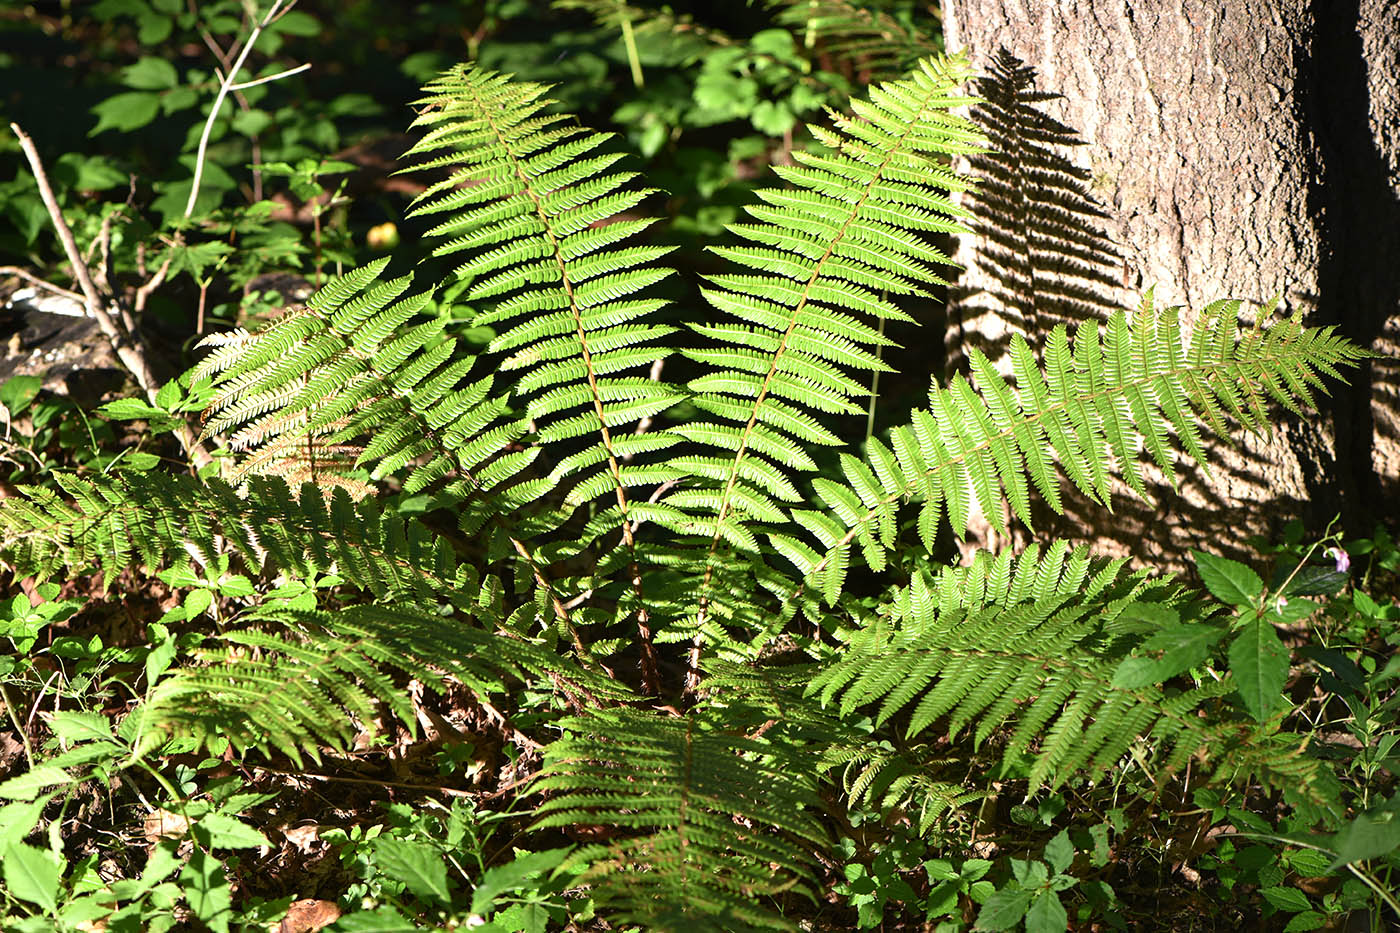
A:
(1238, 150)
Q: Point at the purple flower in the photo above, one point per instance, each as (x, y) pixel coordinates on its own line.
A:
(1342, 558)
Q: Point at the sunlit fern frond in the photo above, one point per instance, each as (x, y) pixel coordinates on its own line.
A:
(1097, 401)
(291, 681)
(357, 367)
(535, 209)
(875, 773)
(1030, 644)
(798, 325)
(712, 814)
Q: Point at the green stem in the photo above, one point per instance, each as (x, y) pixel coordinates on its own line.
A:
(630, 40)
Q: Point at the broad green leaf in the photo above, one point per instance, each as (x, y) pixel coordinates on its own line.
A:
(509, 877)
(1059, 852)
(207, 890)
(1047, 914)
(150, 74)
(418, 866)
(1370, 835)
(225, 832)
(32, 874)
(18, 392)
(18, 820)
(1228, 580)
(80, 727)
(124, 112)
(28, 785)
(383, 920)
(1004, 910)
(1259, 662)
(1289, 899)
(1183, 647)
(131, 409)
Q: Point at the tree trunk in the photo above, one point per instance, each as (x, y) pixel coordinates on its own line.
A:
(1241, 150)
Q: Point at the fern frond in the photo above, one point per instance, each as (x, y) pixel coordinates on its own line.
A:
(714, 809)
(1034, 642)
(870, 39)
(290, 681)
(159, 520)
(1095, 404)
(533, 208)
(350, 377)
(825, 253)
(877, 774)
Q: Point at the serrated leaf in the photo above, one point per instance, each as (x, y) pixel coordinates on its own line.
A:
(80, 727)
(509, 877)
(1059, 852)
(130, 409)
(1259, 663)
(1289, 899)
(1004, 910)
(207, 890)
(32, 874)
(1047, 914)
(28, 785)
(417, 865)
(1228, 580)
(18, 820)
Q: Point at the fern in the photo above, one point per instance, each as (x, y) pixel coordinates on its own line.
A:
(1033, 641)
(871, 39)
(1098, 400)
(160, 520)
(705, 807)
(292, 680)
(715, 808)
(826, 252)
(347, 372)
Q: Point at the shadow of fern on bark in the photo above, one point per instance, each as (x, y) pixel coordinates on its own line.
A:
(1042, 257)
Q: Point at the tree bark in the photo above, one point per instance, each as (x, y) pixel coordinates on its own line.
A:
(1242, 150)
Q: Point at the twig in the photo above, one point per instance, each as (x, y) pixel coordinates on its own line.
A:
(126, 346)
(225, 86)
(143, 293)
(40, 283)
(244, 85)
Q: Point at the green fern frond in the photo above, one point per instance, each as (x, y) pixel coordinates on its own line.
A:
(158, 520)
(714, 810)
(1033, 642)
(534, 209)
(349, 374)
(290, 681)
(1095, 404)
(826, 252)
(871, 39)
(877, 774)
